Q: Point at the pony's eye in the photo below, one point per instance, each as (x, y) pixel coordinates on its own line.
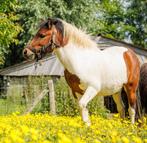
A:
(42, 36)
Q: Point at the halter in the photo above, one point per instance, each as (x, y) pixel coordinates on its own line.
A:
(51, 45)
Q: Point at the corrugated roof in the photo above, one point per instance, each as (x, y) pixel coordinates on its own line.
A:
(47, 66)
(52, 66)
(104, 42)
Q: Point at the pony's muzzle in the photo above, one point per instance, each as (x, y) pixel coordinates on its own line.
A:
(25, 52)
(28, 54)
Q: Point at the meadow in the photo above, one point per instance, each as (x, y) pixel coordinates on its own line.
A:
(44, 128)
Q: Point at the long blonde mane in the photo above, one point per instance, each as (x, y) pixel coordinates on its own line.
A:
(77, 36)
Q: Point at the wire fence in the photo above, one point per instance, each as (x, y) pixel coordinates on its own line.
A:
(18, 98)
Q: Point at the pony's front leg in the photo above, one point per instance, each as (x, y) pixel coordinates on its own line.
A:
(119, 103)
(89, 94)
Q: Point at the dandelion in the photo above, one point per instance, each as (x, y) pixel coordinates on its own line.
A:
(125, 140)
(137, 140)
(44, 128)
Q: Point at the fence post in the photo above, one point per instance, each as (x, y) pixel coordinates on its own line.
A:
(52, 97)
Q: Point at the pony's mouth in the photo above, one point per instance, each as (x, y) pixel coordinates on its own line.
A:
(30, 57)
(28, 54)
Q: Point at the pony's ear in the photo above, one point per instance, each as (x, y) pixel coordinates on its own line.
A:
(60, 38)
(49, 23)
(59, 26)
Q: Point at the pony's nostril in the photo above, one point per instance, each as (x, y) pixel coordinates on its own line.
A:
(25, 52)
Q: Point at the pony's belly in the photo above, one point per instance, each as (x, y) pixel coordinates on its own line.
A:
(110, 90)
(107, 91)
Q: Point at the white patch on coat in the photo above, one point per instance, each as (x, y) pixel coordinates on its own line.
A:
(105, 70)
(132, 114)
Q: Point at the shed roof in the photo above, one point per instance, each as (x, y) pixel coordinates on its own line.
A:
(46, 66)
(104, 42)
(51, 65)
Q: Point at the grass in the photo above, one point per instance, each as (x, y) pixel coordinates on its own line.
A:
(8, 107)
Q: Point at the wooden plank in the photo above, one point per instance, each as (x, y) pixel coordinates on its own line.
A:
(36, 101)
(52, 97)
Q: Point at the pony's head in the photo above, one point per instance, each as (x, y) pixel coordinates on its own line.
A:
(49, 36)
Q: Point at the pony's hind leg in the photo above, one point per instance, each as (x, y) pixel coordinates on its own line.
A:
(133, 71)
(131, 94)
(119, 103)
(89, 94)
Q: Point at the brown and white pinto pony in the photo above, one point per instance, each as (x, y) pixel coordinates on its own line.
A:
(88, 70)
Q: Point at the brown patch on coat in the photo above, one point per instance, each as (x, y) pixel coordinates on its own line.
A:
(73, 81)
(59, 39)
(133, 72)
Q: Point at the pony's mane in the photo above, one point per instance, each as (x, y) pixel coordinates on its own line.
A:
(78, 36)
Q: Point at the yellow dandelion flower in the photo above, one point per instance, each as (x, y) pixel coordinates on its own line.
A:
(64, 139)
(137, 140)
(125, 140)
(97, 141)
(116, 115)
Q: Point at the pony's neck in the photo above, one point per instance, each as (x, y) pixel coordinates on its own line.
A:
(77, 36)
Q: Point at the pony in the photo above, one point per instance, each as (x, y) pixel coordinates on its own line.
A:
(143, 87)
(89, 71)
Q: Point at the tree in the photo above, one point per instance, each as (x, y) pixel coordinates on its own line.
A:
(136, 17)
(119, 19)
(9, 28)
(81, 13)
(123, 19)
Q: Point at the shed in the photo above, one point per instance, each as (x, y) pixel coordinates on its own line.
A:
(15, 78)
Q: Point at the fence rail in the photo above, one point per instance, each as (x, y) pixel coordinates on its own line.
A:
(25, 98)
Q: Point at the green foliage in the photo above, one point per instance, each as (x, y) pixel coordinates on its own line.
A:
(111, 19)
(19, 98)
(136, 17)
(116, 19)
(81, 13)
(11, 104)
(31, 12)
(124, 20)
(66, 104)
(12, 101)
(9, 28)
